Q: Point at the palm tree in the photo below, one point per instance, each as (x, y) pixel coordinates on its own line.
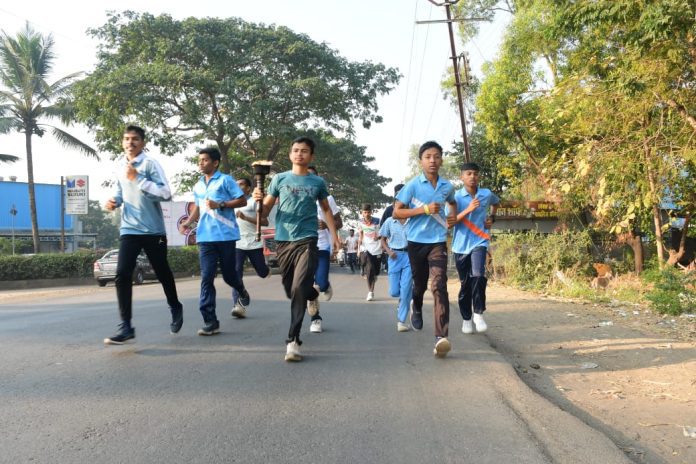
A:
(8, 158)
(25, 62)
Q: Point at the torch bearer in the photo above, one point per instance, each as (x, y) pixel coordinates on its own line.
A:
(261, 170)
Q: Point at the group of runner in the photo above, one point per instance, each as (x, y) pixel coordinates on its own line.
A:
(306, 231)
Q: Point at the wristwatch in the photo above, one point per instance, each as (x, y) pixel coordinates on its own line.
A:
(222, 205)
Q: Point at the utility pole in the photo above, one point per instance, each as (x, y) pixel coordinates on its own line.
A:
(455, 64)
(13, 213)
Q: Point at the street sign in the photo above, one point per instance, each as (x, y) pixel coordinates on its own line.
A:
(76, 194)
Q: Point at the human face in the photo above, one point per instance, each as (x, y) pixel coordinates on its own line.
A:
(244, 187)
(206, 165)
(366, 214)
(470, 178)
(431, 160)
(301, 154)
(132, 144)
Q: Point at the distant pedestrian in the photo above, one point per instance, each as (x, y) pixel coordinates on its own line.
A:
(321, 276)
(247, 245)
(422, 201)
(394, 243)
(216, 195)
(470, 246)
(140, 187)
(351, 245)
(369, 238)
(296, 233)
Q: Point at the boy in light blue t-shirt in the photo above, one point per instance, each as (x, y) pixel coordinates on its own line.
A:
(296, 233)
(470, 246)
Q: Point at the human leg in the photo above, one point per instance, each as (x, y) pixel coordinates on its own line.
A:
(128, 250)
(156, 250)
(437, 263)
(208, 257)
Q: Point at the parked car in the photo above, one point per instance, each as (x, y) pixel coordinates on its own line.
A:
(105, 268)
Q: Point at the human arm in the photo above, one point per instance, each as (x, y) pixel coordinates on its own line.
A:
(193, 217)
(151, 180)
(252, 219)
(401, 211)
(267, 202)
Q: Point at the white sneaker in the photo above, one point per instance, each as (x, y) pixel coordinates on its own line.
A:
(402, 327)
(467, 327)
(238, 311)
(315, 326)
(442, 347)
(480, 324)
(313, 307)
(370, 296)
(292, 354)
(328, 294)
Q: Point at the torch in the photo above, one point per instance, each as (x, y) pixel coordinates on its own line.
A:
(261, 170)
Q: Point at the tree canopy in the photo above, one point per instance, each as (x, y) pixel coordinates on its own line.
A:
(248, 88)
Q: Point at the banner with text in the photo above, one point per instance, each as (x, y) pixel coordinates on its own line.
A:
(76, 194)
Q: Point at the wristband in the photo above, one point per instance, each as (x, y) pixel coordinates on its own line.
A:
(426, 210)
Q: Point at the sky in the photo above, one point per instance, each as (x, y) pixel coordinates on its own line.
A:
(361, 30)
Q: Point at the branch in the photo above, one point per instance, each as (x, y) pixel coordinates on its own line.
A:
(681, 109)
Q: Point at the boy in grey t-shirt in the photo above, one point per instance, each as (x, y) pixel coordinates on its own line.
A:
(296, 233)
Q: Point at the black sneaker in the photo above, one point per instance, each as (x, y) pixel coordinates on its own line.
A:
(244, 298)
(123, 334)
(416, 319)
(177, 319)
(210, 328)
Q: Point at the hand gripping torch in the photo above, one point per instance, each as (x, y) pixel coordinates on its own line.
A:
(261, 170)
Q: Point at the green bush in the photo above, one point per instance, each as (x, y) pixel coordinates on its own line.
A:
(530, 260)
(672, 292)
(47, 266)
(184, 260)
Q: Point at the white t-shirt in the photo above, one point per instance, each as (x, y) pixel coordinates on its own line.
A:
(247, 230)
(352, 244)
(324, 236)
(370, 236)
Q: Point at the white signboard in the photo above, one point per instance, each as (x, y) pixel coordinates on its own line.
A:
(175, 212)
(76, 194)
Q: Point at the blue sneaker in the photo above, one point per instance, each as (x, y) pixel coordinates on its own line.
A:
(124, 333)
(210, 328)
(244, 298)
(177, 319)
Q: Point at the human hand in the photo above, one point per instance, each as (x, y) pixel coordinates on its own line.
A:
(110, 204)
(131, 172)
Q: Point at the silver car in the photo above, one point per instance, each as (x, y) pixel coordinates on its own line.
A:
(105, 268)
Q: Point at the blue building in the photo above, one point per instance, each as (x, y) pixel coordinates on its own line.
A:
(15, 196)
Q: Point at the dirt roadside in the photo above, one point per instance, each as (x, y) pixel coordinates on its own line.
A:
(620, 368)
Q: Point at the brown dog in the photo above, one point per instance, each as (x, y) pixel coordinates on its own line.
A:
(604, 276)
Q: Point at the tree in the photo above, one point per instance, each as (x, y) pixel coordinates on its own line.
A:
(25, 63)
(248, 88)
(100, 222)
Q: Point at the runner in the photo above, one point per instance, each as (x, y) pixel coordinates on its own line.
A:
(247, 246)
(470, 246)
(394, 243)
(369, 239)
(351, 244)
(140, 188)
(296, 233)
(321, 276)
(215, 194)
(423, 201)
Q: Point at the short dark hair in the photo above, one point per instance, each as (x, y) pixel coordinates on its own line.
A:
(246, 180)
(212, 152)
(137, 129)
(427, 145)
(307, 141)
(366, 207)
(470, 167)
(397, 188)
(313, 169)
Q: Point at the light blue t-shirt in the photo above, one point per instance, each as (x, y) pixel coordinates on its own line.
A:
(296, 216)
(142, 212)
(395, 233)
(472, 233)
(417, 192)
(216, 225)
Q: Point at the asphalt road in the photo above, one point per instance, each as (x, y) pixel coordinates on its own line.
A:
(363, 394)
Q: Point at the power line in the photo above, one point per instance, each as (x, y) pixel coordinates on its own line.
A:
(420, 75)
(408, 80)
